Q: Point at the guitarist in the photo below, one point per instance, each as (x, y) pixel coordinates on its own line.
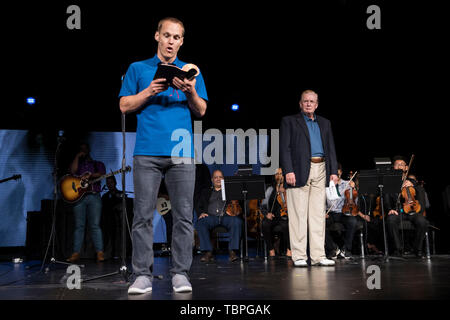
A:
(394, 210)
(89, 208)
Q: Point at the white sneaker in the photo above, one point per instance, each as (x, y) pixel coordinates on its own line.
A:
(181, 283)
(325, 262)
(300, 263)
(141, 285)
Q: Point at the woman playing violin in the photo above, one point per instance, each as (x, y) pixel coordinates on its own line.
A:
(274, 209)
(346, 211)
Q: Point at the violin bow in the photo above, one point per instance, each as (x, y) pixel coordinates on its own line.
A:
(353, 176)
(274, 199)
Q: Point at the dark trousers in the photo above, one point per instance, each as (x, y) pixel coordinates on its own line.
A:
(350, 227)
(232, 224)
(393, 230)
(268, 227)
(375, 232)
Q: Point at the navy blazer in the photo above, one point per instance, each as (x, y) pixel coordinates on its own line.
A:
(295, 148)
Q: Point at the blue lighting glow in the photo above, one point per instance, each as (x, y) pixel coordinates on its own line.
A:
(235, 107)
(31, 100)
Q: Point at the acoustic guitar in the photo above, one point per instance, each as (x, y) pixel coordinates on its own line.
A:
(73, 188)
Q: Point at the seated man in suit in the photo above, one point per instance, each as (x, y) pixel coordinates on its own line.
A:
(213, 211)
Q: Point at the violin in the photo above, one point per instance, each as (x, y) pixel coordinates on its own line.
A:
(350, 206)
(408, 193)
(233, 208)
(281, 198)
(411, 204)
(377, 211)
(254, 217)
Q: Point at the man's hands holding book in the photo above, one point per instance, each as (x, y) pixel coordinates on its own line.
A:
(157, 86)
(187, 86)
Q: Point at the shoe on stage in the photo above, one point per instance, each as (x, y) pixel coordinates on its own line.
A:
(74, 258)
(207, 257)
(300, 263)
(142, 284)
(324, 263)
(180, 283)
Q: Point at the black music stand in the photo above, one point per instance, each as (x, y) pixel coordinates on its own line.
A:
(52, 239)
(382, 180)
(123, 270)
(243, 188)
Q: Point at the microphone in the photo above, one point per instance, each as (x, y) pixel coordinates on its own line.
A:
(61, 137)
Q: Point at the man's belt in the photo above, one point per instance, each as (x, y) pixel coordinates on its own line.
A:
(317, 159)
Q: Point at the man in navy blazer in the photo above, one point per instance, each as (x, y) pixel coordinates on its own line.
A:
(308, 157)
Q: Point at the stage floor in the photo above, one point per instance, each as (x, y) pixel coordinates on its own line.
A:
(256, 279)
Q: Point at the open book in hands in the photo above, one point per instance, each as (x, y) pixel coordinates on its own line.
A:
(169, 71)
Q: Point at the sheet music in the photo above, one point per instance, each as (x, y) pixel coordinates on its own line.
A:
(222, 184)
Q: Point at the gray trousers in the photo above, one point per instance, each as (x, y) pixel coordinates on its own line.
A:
(180, 180)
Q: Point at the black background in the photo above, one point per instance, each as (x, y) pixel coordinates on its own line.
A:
(383, 89)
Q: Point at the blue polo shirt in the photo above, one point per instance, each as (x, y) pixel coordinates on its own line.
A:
(314, 136)
(163, 114)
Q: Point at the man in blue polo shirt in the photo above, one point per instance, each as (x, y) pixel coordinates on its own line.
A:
(161, 110)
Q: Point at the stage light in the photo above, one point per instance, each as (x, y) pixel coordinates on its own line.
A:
(31, 101)
(235, 107)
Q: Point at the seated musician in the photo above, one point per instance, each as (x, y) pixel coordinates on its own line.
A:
(275, 214)
(335, 214)
(213, 211)
(394, 205)
(370, 204)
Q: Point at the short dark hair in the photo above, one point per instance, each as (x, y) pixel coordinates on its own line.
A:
(398, 157)
(112, 178)
(216, 171)
(84, 143)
